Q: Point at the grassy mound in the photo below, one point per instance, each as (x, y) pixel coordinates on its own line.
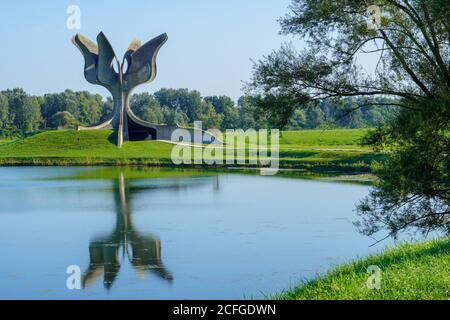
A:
(409, 271)
(81, 147)
(310, 149)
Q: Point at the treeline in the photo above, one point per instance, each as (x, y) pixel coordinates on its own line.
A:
(21, 113)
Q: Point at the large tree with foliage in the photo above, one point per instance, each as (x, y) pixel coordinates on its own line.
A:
(87, 108)
(4, 112)
(24, 112)
(146, 107)
(63, 120)
(188, 102)
(226, 107)
(409, 46)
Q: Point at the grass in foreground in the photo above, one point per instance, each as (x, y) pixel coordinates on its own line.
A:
(419, 271)
(312, 150)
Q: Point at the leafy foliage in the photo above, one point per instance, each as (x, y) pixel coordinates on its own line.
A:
(63, 120)
(413, 189)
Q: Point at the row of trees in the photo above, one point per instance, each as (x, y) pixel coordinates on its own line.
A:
(22, 113)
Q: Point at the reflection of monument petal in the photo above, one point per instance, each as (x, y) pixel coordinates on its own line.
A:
(96, 268)
(111, 265)
(104, 260)
(145, 255)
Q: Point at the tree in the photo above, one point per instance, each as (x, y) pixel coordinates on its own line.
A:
(174, 117)
(63, 119)
(349, 114)
(189, 102)
(4, 112)
(146, 107)
(210, 118)
(24, 110)
(29, 117)
(87, 108)
(413, 189)
(297, 120)
(410, 46)
(107, 109)
(315, 117)
(250, 114)
(225, 105)
(54, 103)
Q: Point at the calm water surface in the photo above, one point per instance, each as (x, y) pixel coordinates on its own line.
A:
(151, 234)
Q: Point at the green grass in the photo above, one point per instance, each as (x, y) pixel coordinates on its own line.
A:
(6, 141)
(342, 139)
(332, 150)
(412, 271)
(82, 147)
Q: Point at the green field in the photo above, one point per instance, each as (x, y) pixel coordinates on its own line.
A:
(321, 150)
(342, 139)
(412, 271)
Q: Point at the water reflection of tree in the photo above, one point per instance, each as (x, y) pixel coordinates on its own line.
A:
(143, 251)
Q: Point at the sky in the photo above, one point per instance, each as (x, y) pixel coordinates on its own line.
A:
(210, 49)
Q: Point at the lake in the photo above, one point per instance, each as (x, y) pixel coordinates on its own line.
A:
(170, 234)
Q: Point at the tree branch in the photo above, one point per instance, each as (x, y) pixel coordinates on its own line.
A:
(405, 64)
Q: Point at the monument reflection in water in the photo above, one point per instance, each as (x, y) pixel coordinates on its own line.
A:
(125, 244)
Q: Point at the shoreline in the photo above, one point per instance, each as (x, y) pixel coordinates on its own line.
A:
(167, 163)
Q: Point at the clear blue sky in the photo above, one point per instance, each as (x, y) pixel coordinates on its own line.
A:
(210, 42)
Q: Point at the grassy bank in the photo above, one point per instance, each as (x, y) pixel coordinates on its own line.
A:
(408, 271)
(318, 150)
